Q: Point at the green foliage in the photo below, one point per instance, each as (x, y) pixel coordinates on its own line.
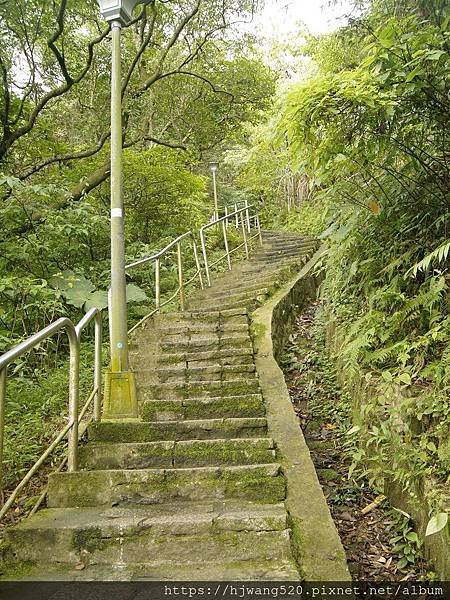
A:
(368, 132)
(405, 543)
(36, 410)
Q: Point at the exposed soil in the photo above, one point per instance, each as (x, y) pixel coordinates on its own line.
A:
(321, 408)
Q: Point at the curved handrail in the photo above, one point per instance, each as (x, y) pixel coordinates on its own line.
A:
(94, 315)
(143, 261)
(71, 428)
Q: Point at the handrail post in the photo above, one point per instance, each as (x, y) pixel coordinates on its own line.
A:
(247, 215)
(258, 224)
(74, 392)
(2, 420)
(197, 263)
(236, 215)
(205, 256)
(226, 215)
(180, 275)
(244, 233)
(157, 288)
(225, 241)
(98, 367)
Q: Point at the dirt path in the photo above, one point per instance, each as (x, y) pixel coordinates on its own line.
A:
(380, 541)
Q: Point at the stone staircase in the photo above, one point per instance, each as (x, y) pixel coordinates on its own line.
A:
(192, 489)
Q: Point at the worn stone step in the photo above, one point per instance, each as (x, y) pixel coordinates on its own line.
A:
(203, 343)
(273, 569)
(238, 294)
(257, 288)
(251, 405)
(189, 429)
(175, 454)
(245, 570)
(154, 535)
(247, 299)
(255, 483)
(195, 373)
(199, 389)
(224, 356)
(217, 327)
(207, 307)
(229, 316)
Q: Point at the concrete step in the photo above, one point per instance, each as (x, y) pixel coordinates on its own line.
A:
(177, 454)
(224, 356)
(195, 429)
(257, 288)
(199, 389)
(243, 298)
(238, 294)
(254, 483)
(228, 316)
(245, 570)
(251, 405)
(155, 535)
(203, 343)
(201, 373)
(217, 327)
(206, 307)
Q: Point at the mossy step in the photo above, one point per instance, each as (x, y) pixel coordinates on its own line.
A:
(251, 405)
(244, 299)
(238, 294)
(205, 308)
(260, 483)
(235, 315)
(245, 570)
(200, 389)
(204, 343)
(196, 429)
(224, 356)
(233, 287)
(299, 258)
(175, 454)
(201, 373)
(155, 534)
(217, 327)
(283, 250)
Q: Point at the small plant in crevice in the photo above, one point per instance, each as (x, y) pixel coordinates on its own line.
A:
(405, 541)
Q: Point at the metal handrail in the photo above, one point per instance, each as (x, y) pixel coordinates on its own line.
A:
(241, 216)
(159, 254)
(75, 415)
(156, 258)
(246, 229)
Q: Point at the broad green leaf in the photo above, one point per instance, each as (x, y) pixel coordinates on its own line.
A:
(436, 523)
(98, 299)
(405, 378)
(135, 293)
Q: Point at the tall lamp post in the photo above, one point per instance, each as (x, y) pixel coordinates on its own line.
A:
(120, 390)
(213, 166)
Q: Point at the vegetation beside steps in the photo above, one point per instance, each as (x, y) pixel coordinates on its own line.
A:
(197, 480)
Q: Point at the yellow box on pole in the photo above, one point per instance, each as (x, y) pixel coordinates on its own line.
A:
(120, 400)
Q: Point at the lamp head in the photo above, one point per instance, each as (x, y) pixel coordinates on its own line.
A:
(117, 10)
(213, 166)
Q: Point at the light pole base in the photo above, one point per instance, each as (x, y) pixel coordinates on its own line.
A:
(120, 400)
